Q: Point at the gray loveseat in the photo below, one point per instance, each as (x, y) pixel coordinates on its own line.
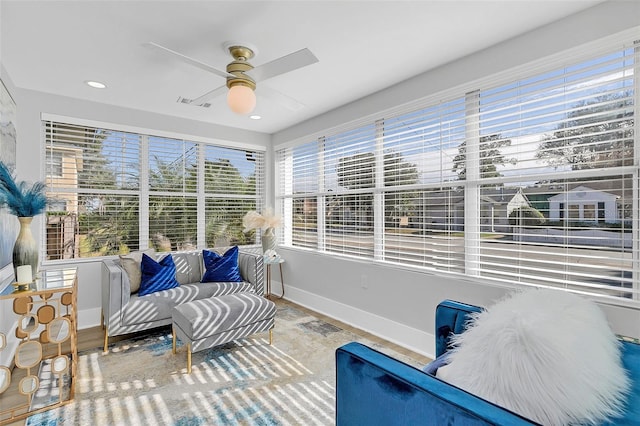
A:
(125, 312)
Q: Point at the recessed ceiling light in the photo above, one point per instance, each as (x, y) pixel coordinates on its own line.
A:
(255, 117)
(95, 84)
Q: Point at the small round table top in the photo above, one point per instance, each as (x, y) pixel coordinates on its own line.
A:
(273, 260)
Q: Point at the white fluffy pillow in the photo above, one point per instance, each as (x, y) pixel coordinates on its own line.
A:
(548, 355)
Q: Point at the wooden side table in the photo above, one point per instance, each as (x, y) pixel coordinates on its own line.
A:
(268, 262)
(45, 338)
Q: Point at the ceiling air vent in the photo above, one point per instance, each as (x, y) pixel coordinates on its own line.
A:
(182, 100)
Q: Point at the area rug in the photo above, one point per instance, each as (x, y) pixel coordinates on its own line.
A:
(244, 382)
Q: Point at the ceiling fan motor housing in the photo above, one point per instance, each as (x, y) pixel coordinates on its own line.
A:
(239, 66)
(237, 79)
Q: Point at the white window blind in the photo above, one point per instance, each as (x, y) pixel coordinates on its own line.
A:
(349, 179)
(112, 192)
(533, 180)
(423, 202)
(234, 184)
(173, 191)
(299, 175)
(96, 200)
(560, 158)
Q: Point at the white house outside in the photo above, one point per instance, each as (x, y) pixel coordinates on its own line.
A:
(584, 204)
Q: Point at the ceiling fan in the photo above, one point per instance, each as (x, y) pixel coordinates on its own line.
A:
(242, 77)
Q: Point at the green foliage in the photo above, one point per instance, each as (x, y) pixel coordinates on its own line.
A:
(167, 176)
(223, 227)
(216, 229)
(99, 241)
(224, 220)
(490, 157)
(221, 177)
(109, 234)
(598, 133)
(526, 216)
(357, 171)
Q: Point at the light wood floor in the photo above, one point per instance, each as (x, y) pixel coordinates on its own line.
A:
(90, 338)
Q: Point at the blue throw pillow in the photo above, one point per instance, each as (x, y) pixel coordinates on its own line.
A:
(221, 268)
(157, 276)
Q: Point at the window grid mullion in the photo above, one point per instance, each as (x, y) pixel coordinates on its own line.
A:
(143, 212)
(378, 196)
(472, 191)
(636, 177)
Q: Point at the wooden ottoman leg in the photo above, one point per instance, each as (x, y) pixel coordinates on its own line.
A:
(106, 340)
(173, 340)
(188, 358)
(271, 336)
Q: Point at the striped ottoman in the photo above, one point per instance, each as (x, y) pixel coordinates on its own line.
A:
(206, 323)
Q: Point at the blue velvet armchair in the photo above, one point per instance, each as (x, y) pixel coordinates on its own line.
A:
(375, 389)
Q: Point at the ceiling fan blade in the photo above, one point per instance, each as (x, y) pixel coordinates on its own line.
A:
(280, 98)
(287, 63)
(209, 95)
(187, 59)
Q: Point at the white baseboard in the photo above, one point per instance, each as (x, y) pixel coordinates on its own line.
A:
(411, 338)
(88, 318)
(408, 337)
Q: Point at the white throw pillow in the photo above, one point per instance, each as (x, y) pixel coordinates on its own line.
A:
(547, 355)
(131, 264)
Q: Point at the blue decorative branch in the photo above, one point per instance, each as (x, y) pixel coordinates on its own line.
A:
(18, 197)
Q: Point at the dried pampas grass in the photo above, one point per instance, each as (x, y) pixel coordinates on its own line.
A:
(255, 220)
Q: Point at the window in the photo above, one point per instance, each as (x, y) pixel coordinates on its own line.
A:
(301, 210)
(601, 212)
(530, 180)
(589, 212)
(118, 191)
(233, 181)
(349, 176)
(54, 164)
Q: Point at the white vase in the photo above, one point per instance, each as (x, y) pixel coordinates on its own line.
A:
(25, 250)
(269, 241)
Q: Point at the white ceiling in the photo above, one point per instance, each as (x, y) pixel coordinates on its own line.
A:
(362, 47)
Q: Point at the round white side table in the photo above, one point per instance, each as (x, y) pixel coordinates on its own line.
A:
(268, 262)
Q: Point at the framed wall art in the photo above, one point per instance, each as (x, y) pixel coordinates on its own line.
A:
(8, 224)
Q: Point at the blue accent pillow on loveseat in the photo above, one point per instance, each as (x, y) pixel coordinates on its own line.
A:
(157, 276)
(221, 268)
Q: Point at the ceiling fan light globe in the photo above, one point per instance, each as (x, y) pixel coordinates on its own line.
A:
(241, 99)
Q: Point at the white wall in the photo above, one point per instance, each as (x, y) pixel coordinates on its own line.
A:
(392, 302)
(399, 303)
